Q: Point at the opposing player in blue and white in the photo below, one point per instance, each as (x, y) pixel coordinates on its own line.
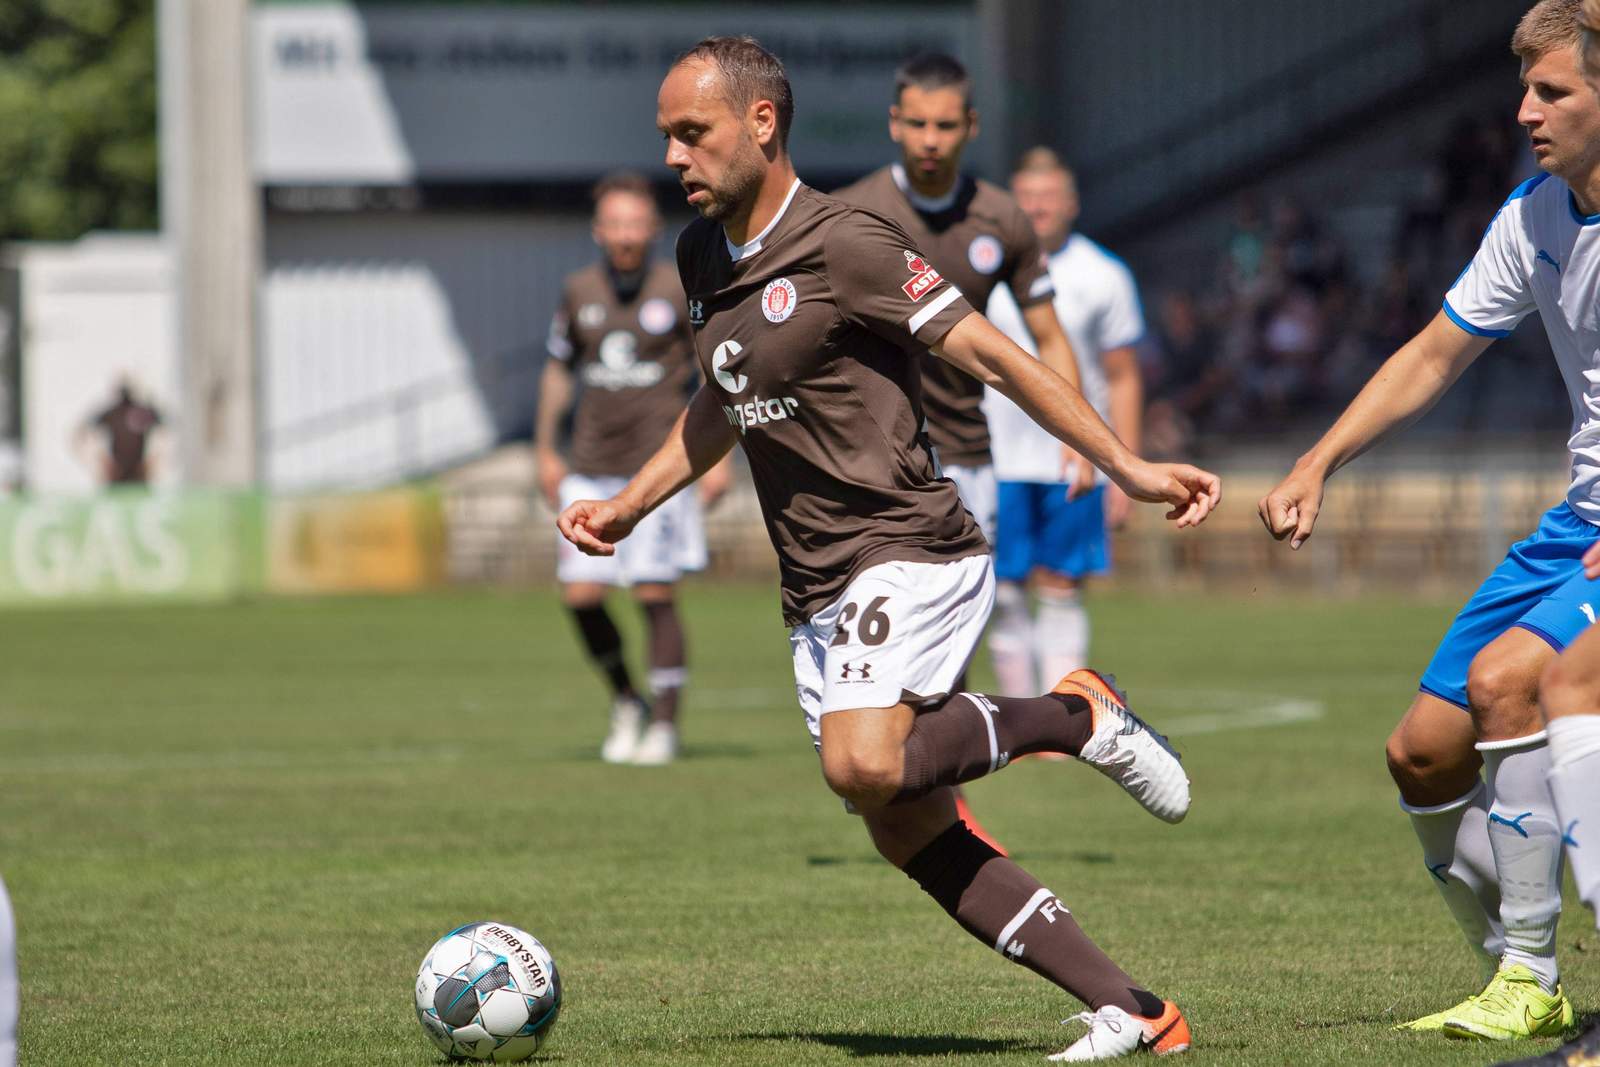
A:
(1046, 535)
(1493, 847)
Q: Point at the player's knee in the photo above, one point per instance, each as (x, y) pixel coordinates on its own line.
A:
(866, 779)
(1426, 774)
(1500, 692)
(1567, 688)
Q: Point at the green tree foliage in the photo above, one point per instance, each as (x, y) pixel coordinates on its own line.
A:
(77, 117)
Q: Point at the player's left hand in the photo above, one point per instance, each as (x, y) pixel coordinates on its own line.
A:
(1077, 472)
(714, 484)
(1118, 508)
(1591, 562)
(1191, 491)
(595, 526)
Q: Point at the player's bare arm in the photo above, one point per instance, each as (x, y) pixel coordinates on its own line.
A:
(1055, 352)
(1409, 383)
(555, 400)
(701, 438)
(1126, 389)
(981, 350)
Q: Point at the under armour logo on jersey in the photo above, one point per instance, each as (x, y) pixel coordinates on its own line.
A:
(697, 313)
(1546, 257)
(733, 383)
(865, 671)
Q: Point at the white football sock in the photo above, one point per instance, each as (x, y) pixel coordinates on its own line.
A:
(8, 982)
(1060, 634)
(1011, 642)
(1527, 850)
(1455, 849)
(1575, 783)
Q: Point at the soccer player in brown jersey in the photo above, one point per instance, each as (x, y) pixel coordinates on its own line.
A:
(810, 320)
(977, 237)
(622, 331)
(974, 233)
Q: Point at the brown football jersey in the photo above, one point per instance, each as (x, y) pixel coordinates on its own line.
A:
(977, 237)
(810, 336)
(634, 361)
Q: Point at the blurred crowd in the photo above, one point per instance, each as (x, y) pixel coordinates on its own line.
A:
(1287, 325)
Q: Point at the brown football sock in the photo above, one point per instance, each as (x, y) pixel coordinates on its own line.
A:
(667, 660)
(1004, 906)
(971, 735)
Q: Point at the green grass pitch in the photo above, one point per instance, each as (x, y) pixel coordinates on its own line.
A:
(231, 833)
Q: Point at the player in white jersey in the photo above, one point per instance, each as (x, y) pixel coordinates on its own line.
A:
(1569, 697)
(1493, 847)
(1047, 531)
(8, 982)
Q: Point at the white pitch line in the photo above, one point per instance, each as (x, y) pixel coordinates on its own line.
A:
(1278, 713)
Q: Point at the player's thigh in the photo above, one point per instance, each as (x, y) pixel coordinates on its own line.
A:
(863, 751)
(900, 831)
(575, 568)
(1534, 568)
(664, 544)
(1503, 684)
(577, 595)
(1571, 683)
(1016, 525)
(1074, 542)
(1431, 754)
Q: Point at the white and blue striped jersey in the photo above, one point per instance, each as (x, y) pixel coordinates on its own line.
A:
(1541, 252)
(1098, 305)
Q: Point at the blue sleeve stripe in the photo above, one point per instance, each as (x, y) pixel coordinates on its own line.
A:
(1465, 325)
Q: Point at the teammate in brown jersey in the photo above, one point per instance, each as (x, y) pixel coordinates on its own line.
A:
(622, 331)
(977, 237)
(811, 317)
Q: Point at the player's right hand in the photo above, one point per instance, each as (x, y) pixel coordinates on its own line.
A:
(595, 526)
(551, 471)
(1291, 509)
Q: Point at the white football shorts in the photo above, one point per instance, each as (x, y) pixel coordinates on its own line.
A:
(668, 542)
(899, 632)
(980, 493)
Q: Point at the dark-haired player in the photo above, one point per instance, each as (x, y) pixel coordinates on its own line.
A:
(811, 318)
(620, 343)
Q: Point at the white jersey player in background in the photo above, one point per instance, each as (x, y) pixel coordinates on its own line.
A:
(1493, 847)
(1047, 535)
(8, 982)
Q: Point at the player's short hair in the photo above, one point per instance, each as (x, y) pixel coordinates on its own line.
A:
(623, 181)
(1548, 25)
(929, 71)
(1589, 15)
(749, 73)
(1042, 160)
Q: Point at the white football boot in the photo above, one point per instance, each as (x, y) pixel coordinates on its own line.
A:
(658, 746)
(627, 721)
(1114, 1033)
(1127, 751)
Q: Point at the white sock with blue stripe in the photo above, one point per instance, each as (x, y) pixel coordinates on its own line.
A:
(1060, 634)
(1460, 863)
(1575, 783)
(1526, 837)
(1011, 642)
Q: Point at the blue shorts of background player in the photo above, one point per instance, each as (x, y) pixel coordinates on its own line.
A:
(1539, 586)
(1039, 527)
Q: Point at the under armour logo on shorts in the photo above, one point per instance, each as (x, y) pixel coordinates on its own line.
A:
(864, 671)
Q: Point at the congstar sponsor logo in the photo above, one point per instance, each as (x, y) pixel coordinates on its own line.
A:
(758, 410)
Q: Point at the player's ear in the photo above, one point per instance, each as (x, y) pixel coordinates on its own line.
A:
(764, 122)
(894, 123)
(972, 123)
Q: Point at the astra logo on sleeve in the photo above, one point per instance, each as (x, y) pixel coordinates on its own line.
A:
(924, 278)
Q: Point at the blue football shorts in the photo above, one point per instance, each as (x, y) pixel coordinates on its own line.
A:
(1539, 586)
(1040, 527)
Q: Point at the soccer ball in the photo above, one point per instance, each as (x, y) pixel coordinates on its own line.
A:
(488, 991)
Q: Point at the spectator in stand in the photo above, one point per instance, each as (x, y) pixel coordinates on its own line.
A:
(124, 453)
